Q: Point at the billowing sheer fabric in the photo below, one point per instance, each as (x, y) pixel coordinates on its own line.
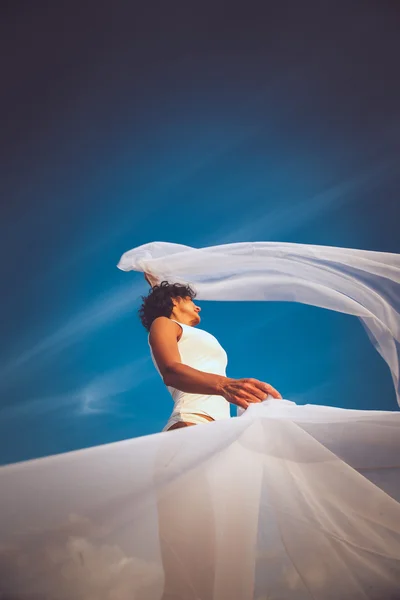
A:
(285, 501)
(358, 282)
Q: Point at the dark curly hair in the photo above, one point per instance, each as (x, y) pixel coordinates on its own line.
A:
(158, 303)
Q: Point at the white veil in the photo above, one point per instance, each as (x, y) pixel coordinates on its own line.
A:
(357, 282)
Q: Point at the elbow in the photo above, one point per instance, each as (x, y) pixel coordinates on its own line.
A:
(167, 380)
(169, 374)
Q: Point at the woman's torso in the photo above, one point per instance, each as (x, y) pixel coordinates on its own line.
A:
(202, 351)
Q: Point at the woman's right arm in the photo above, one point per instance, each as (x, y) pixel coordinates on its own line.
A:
(164, 343)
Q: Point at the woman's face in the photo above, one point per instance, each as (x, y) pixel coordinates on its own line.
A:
(187, 311)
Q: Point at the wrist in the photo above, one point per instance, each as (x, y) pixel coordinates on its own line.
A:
(220, 385)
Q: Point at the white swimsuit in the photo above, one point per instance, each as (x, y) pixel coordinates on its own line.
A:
(202, 351)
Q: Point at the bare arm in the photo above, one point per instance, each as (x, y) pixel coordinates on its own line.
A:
(151, 279)
(164, 343)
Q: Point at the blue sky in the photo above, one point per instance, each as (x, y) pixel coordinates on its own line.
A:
(141, 126)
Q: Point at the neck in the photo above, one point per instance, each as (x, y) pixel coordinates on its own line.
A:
(182, 320)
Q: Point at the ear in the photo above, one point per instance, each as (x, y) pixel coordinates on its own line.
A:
(176, 301)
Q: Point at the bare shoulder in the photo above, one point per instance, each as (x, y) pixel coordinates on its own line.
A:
(163, 340)
(162, 326)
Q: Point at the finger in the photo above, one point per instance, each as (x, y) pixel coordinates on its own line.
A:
(266, 387)
(260, 385)
(274, 393)
(241, 402)
(251, 398)
(253, 390)
(260, 394)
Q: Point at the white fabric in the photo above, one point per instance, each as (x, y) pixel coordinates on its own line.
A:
(200, 350)
(285, 501)
(357, 282)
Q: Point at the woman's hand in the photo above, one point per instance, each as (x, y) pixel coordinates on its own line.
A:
(151, 280)
(243, 392)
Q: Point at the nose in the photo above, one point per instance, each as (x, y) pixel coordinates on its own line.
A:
(197, 308)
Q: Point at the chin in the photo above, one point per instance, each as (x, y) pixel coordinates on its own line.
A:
(198, 320)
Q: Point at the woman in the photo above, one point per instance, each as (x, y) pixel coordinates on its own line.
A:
(191, 361)
(192, 364)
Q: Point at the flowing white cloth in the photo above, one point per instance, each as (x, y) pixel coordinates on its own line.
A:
(358, 282)
(285, 501)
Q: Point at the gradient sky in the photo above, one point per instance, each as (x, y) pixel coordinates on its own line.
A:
(194, 123)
